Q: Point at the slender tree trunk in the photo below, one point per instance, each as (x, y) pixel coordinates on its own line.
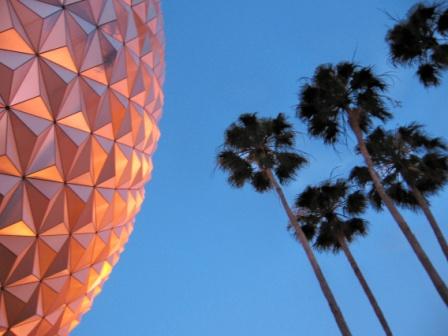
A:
(431, 219)
(365, 286)
(343, 327)
(418, 250)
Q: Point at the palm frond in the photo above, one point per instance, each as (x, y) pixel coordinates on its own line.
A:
(356, 203)
(375, 200)
(237, 137)
(440, 55)
(354, 227)
(249, 120)
(280, 124)
(365, 79)
(345, 71)
(237, 179)
(415, 136)
(309, 230)
(429, 74)
(360, 175)
(402, 196)
(287, 165)
(239, 170)
(404, 44)
(260, 181)
(307, 198)
(326, 239)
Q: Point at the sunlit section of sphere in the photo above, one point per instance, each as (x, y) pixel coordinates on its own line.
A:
(80, 98)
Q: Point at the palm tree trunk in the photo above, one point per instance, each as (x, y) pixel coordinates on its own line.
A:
(365, 286)
(431, 219)
(418, 250)
(343, 327)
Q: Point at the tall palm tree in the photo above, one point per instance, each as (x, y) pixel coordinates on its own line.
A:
(350, 95)
(330, 216)
(412, 166)
(421, 39)
(260, 151)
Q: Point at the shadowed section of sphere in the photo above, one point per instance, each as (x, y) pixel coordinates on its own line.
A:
(80, 99)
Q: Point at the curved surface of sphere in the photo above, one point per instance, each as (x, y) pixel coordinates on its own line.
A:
(80, 97)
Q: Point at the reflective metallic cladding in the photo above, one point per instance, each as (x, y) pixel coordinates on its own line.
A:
(80, 98)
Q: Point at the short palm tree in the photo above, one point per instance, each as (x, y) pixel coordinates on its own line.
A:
(421, 39)
(348, 95)
(412, 165)
(260, 151)
(330, 216)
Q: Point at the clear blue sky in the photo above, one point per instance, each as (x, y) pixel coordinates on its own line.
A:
(206, 259)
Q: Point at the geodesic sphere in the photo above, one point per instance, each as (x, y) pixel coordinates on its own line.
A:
(80, 97)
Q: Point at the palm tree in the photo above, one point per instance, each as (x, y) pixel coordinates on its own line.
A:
(421, 39)
(329, 214)
(260, 151)
(412, 166)
(350, 95)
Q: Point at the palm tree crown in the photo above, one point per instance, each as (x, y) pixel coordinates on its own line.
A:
(405, 157)
(252, 145)
(330, 212)
(338, 90)
(421, 39)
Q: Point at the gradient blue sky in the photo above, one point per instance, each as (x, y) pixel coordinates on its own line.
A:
(206, 259)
